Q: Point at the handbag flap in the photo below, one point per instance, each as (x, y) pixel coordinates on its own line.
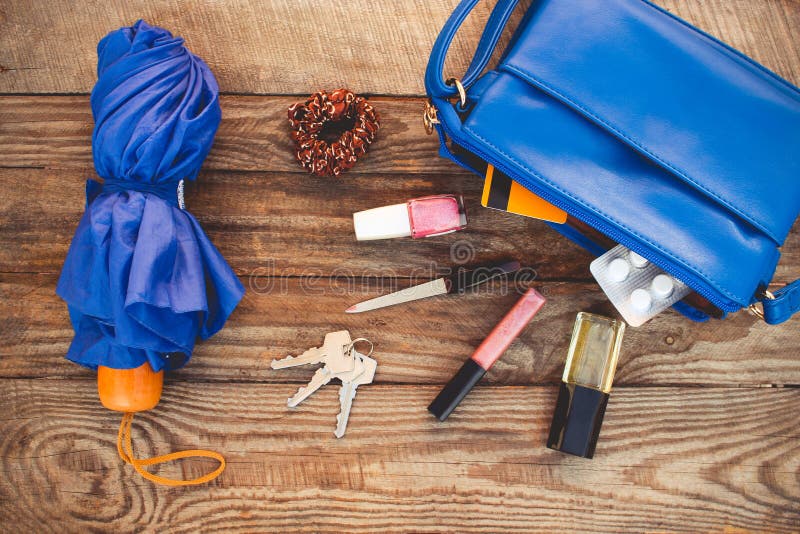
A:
(718, 121)
(550, 148)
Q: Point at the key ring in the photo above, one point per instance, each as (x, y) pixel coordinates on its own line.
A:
(352, 345)
(462, 94)
(759, 312)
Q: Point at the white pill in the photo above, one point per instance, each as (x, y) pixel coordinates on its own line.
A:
(662, 286)
(641, 300)
(618, 270)
(637, 260)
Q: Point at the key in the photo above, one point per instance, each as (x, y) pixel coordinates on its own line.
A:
(313, 355)
(333, 343)
(358, 369)
(320, 378)
(339, 358)
(348, 392)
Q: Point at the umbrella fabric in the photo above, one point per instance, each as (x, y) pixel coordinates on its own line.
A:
(141, 279)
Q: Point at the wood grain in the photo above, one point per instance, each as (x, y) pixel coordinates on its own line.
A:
(691, 442)
(418, 343)
(56, 132)
(48, 46)
(669, 459)
(282, 224)
(279, 224)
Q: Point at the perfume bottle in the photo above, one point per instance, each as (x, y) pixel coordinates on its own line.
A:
(419, 217)
(586, 384)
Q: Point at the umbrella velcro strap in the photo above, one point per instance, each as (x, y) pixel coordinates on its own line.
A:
(172, 192)
(125, 450)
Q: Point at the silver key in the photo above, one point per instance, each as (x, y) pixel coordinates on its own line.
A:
(323, 376)
(348, 392)
(320, 378)
(339, 358)
(313, 355)
(358, 369)
(331, 347)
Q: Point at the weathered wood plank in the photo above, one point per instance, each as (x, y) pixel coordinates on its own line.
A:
(290, 46)
(669, 459)
(56, 132)
(286, 225)
(423, 342)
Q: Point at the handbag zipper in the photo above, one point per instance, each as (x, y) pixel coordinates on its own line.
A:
(683, 274)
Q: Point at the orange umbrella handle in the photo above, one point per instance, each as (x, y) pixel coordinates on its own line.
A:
(136, 390)
(129, 390)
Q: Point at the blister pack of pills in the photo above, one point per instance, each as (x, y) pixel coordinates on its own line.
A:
(638, 289)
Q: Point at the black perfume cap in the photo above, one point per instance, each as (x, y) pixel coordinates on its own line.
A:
(577, 420)
(455, 390)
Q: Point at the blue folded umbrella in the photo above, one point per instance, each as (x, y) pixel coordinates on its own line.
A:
(141, 279)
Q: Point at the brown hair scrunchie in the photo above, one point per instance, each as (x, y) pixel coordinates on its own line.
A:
(309, 119)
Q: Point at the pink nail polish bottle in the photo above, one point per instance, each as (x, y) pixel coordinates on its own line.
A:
(419, 217)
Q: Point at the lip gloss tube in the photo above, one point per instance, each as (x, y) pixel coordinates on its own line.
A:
(486, 354)
(586, 384)
(419, 217)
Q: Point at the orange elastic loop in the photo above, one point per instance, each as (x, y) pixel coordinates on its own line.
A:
(125, 450)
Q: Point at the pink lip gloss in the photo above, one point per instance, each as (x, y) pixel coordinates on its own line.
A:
(486, 354)
(419, 217)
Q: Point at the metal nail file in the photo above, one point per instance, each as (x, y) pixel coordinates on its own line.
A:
(459, 283)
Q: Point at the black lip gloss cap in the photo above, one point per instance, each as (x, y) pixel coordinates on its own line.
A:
(577, 420)
(455, 390)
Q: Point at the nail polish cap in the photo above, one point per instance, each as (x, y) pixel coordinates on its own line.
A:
(577, 420)
(385, 222)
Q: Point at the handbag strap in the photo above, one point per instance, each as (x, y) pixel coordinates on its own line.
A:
(781, 305)
(435, 84)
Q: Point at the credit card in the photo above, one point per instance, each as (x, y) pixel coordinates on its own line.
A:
(502, 193)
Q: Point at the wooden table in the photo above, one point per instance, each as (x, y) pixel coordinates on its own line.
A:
(702, 429)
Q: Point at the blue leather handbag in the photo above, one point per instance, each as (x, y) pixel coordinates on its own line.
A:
(644, 128)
